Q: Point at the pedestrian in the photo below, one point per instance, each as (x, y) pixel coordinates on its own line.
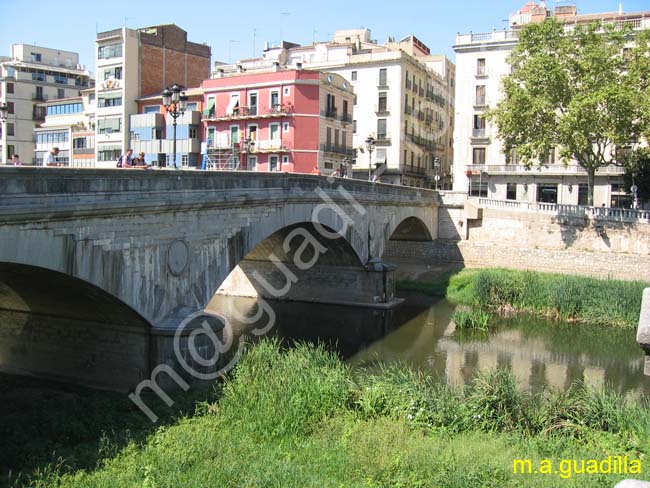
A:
(125, 160)
(140, 162)
(50, 158)
(15, 160)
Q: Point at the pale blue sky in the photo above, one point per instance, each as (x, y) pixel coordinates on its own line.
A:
(230, 27)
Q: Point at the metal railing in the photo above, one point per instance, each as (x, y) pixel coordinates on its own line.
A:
(561, 169)
(413, 170)
(478, 133)
(337, 149)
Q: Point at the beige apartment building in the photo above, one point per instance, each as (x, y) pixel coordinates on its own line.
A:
(480, 166)
(403, 99)
(30, 76)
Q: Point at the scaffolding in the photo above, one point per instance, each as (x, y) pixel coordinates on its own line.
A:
(223, 159)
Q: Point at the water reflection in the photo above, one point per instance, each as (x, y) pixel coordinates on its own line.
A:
(540, 353)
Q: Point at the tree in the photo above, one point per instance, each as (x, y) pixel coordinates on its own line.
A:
(638, 172)
(583, 90)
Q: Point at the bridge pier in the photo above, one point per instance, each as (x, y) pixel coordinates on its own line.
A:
(643, 333)
(369, 286)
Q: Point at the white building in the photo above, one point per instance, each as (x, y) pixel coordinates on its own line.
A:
(403, 99)
(70, 126)
(30, 76)
(132, 64)
(480, 166)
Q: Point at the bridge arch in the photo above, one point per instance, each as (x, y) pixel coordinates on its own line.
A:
(58, 326)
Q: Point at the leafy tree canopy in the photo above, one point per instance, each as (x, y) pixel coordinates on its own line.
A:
(584, 89)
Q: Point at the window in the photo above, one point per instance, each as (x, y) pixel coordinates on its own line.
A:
(354, 76)
(274, 131)
(234, 135)
(134, 136)
(252, 163)
(10, 88)
(39, 93)
(211, 136)
(36, 57)
(185, 159)
(481, 69)
(285, 159)
(381, 129)
(337, 133)
(79, 143)
(286, 91)
(38, 76)
(383, 77)
(514, 157)
(479, 101)
(193, 133)
(233, 105)
(285, 127)
(382, 105)
(252, 103)
(109, 101)
(381, 155)
(109, 154)
(355, 99)
(405, 156)
(354, 126)
(583, 194)
(192, 107)
(65, 109)
(10, 107)
(345, 114)
(551, 156)
(151, 109)
(60, 93)
(10, 129)
(60, 79)
(344, 138)
(110, 51)
(478, 155)
(478, 187)
(109, 125)
(511, 191)
(156, 133)
(546, 193)
(328, 136)
(273, 162)
(115, 72)
(479, 122)
(275, 99)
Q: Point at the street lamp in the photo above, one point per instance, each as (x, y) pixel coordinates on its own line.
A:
(436, 165)
(634, 189)
(370, 146)
(175, 104)
(4, 111)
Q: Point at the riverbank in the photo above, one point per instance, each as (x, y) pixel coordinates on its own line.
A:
(572, 298)
(302, 418)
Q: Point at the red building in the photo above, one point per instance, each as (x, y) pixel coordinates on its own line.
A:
(295, 121)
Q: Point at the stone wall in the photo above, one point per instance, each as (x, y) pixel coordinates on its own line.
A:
(508, 254)
(93, 354)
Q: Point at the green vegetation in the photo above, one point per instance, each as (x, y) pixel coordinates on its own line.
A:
(475, 319)
(302, 418)
(573, 298)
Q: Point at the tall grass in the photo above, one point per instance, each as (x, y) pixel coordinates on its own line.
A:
(575, 298)
(475, 319)
(300, 417)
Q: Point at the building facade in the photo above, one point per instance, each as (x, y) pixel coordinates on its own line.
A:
(403, 99)
(132, 64)
(480, 165)
(278, 120)
(70, 126)
(30, 76)
(152, 132)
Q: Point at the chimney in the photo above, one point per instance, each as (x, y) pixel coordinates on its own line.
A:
(219, 73)
(240, 68)
(266, 45)
(298, 65)
(276, 66)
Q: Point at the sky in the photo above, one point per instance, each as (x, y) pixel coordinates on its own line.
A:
(236, 30)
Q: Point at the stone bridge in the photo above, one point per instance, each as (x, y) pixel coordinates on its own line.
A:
(99, 267)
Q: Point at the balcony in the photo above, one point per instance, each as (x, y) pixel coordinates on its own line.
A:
(270, 146)
(382, 110)
(39, 97)
(382, 83)
(482, 72)
(330, 113)
(410, 169)
(337, 149)
(252, 112)
(408, 84)
(480, 136)
(346, 118)
(383, 139)
(480, 102)
(550, 169)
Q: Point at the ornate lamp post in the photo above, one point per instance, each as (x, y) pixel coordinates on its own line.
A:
(370, 146)
(436, 166)
(634, 190)
(4, 111)
(175, 104)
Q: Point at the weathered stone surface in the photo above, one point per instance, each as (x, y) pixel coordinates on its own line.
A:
(633, 484)
(643, 332)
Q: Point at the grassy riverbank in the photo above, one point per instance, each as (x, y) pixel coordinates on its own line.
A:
(302, 418)
(574, 298)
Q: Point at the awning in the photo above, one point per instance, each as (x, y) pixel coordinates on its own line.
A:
(209, 109)
(234, 103)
